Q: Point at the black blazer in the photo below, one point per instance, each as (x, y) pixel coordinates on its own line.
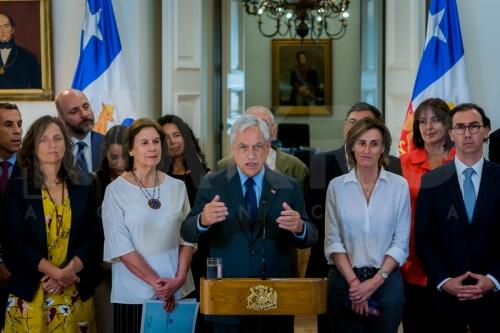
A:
(242, 248)
(325, 167)
(15, 173)
(449, 245)
(26, 239)
(494, 147)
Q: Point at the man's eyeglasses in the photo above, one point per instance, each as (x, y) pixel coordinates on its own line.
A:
(473, 128)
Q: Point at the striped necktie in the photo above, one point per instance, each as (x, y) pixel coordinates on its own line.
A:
(81, 162)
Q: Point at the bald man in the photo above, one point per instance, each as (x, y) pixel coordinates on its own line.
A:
(75, 111)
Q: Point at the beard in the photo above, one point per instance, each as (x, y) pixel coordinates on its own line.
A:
(83, 127)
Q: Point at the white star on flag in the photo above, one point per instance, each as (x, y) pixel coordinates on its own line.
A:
(101, 72)
(441, 73)
(90, 26)
(433, 27)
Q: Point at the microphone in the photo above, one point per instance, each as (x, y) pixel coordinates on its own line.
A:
(263, 268)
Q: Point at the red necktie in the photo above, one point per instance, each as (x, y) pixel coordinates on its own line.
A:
(4, 178)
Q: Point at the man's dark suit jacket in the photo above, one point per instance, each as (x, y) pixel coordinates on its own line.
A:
(15, 174)
(26, 239)
(325, 167)
(97, 145)
(21, 70)
(449, 245)
(4, 292)
(242, 248)
(494, 147)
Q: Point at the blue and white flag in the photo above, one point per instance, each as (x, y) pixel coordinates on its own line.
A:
(441, 73)
(101, 72)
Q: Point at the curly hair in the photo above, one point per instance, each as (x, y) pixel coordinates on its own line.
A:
(28, 159)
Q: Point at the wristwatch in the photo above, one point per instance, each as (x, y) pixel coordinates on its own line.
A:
(383, 274)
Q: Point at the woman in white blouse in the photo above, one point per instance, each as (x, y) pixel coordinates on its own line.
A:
(142, 213)
(367, 228)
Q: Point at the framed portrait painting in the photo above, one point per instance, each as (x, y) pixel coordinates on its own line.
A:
(302, 77)
(26, 50)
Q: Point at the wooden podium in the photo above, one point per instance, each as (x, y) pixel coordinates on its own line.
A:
(251, 296)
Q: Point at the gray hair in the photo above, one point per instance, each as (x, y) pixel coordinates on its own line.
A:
(262, 108)
(246, 121)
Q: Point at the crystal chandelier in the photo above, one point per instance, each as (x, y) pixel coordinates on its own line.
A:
(301, 17)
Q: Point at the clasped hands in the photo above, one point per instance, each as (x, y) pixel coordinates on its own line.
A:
(165, 289)
(360, 293)
(468, 292)
(216, 211)
(60, 279)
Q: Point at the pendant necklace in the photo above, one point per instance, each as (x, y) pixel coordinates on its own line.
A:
(153, 202)
(59, 215)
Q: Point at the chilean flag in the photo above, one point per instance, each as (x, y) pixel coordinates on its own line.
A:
(441, 72)
(101, 71)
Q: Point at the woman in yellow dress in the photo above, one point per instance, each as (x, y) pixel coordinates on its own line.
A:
(51, 232)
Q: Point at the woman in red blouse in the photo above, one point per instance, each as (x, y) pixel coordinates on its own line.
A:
(433, 148)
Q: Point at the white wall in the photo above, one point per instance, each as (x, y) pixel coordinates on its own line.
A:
(136, 23)
(479, 25)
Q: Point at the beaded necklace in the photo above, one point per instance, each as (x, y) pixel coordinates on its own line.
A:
(153, 202)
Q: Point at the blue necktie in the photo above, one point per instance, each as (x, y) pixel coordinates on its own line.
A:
(469, 193)
(251, 201)
(81, 163)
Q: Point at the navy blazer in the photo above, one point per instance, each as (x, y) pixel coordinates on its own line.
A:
(325, 167)
(242, 248)
(97, 145)
(449, 245)
(26, 238)
(494, 146)
(15, 173)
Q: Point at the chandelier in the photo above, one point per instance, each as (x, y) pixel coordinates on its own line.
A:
(300, 17)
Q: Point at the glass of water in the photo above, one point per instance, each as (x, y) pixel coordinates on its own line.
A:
(214, 268)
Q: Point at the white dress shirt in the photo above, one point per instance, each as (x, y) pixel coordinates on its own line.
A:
(476, 176)
(367, 232)
(271, 159)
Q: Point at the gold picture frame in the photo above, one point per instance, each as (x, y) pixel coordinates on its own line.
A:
(32, 40)
(302, 77)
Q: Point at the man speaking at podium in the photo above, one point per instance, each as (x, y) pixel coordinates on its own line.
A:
(252, 216)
